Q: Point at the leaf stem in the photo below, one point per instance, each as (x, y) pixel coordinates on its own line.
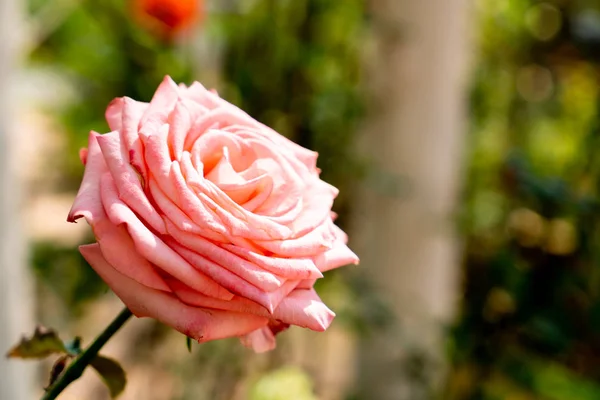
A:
(77, 367)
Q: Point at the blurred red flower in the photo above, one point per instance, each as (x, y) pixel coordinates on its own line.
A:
(168, 17)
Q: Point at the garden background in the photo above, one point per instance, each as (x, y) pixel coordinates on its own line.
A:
(462, 135)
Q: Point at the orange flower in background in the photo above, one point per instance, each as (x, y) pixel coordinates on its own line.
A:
(168, 17)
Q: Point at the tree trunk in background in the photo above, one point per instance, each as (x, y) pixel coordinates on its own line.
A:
(16, 377)
(406, 238)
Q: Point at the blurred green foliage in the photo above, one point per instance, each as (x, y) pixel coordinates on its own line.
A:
(103, 53)
(286, 383)
(66, 275)
(530, 323)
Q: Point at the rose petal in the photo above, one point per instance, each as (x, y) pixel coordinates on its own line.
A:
(198, 93)
(304, 308)
(114, 114)
(238, 220)
(317, 201)
(174, 215)
(306, 284)
(114, 240)
(264, 280)
(158, 160)
(301, 307)
(260, 340)
(292, 150)
(340, 234)
(197, 323)
(127, 181)
(289, 268)
(152, 247)
(336, 257)
(120, 252)
(235, 284)
(199, 212)
(313, 243)
(160, 106)
(288, 184)
(87, 202)
(211, 145)
(179, 124)
(131, 116)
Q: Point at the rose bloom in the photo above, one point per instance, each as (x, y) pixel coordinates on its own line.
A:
(208, 220)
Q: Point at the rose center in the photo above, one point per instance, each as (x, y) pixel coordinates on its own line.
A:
(230, 164)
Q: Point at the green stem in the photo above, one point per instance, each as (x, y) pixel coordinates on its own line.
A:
(77, 367)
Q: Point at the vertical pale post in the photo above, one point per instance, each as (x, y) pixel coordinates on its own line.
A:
(404, 224)
(16, 377)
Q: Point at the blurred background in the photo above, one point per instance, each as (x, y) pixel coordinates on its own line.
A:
(462, 135)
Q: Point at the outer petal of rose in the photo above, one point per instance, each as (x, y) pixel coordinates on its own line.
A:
(132, 114)
(198, 93)
(127, 181)
(114, 113)
(289, 268)
(340, 234)
(306, 284)
(197, 323)
(195, 109)
(308, 157)
(317, 203)
(264, 280)
(153, 248)
(119, 251)
(196, 299)
(260, 340)
(114, 239)
(88, 202)
(229, 280)
(315, 242)
(162, 102)
(301, 307)
(338, 256)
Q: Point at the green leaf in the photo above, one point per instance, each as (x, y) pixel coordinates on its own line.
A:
(188, 342)
(112, 374)
(43, 343)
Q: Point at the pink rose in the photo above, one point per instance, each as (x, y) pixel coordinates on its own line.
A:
(207, 220)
